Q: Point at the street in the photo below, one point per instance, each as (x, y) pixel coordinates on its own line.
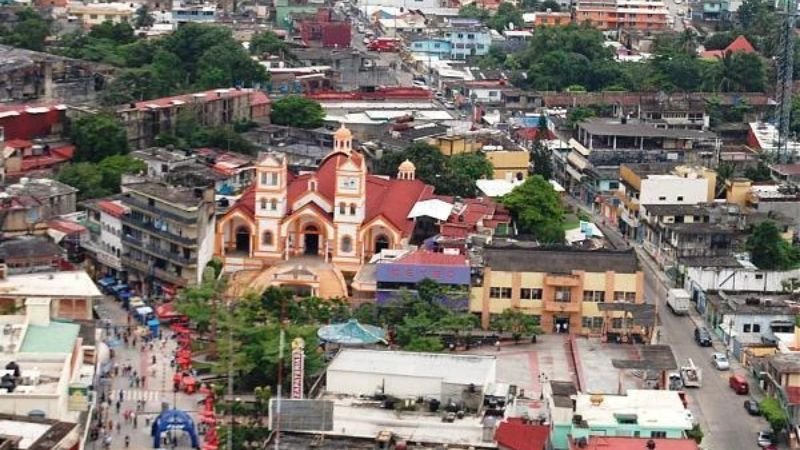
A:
(675, 7)
(386, 60)
(153, 392)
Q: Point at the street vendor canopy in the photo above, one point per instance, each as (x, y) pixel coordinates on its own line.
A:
(351, 333)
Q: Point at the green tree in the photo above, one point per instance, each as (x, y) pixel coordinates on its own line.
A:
(227, 64)
(143, 18)
(84, 177)
(516, 322)
(541, 157)
(695, 433)
(30, 30)
(267, 42)
(768, 250)
(719, 41)
(473, 11)
(297, 111)
(549, 5)
(424, 344)
(97, 136)
(118, 33)
(577, 115)
(506, 14)
(537, 210)
(737, 72)
(774, 413)
(462, 172)
(198, 302)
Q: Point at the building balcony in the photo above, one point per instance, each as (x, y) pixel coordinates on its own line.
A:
(150, 228)
(561, 280)
(160, 212)
(556, 307)
(148, 269)
(158, 251)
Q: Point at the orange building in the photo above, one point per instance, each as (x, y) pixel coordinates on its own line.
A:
(645, 15)
(314, 230)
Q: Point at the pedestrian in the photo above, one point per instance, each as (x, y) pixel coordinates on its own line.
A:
(121, 395)
(153, 359)
(110, 425)
(127, 441)
(107, 442)
(118, 405)
(119, 427)
(135, 420)
(143, 378)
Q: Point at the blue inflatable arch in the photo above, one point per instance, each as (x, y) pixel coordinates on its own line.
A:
(170, 419)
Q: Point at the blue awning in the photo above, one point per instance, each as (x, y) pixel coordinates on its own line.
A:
(120, 287)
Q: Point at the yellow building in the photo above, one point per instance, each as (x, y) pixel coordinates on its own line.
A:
(91, 14)
(510, 161)
(564, 287)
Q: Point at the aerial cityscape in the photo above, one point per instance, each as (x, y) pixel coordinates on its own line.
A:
(399, 224)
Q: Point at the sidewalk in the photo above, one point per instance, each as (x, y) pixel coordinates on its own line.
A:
(129, 406)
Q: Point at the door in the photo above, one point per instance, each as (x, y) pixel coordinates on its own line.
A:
(561, 324)
(311, 244)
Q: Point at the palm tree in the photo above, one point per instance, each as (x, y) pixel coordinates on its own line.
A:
(687, 42)
(725, 172)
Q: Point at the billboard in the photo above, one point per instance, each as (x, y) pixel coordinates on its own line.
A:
(301, 415)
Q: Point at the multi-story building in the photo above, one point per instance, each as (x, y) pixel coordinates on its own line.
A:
(91, 14)
(69, 294)
(26, 207)
(645, 15)
(509, 160)
(468, 41)
(563, 287)
(104, 220)
(147, 119)
(161, 161)
(657, 184)
(167, 235)
(641, 413)
(425, 45)
(202, 13)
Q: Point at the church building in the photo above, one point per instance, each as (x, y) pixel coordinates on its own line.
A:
(314, 230)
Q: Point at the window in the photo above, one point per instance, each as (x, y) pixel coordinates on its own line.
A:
(273, 204)
(273, 179)
(746, 328)
(352, 209)
(530, 294)
(662, 198)
(597, 322)
(417, 44)
(616, 323)
(563, 294)
(493, 94)
(470, 36)
(480, 46)
(680, 198)
(499, 292)
(347, 244)
(263, 203)
(759, 276)
(594, 296)
(658, 434)
(621, 296)
(263, 178)
(342, 208)
(586, 322)
(267, 238)
(756, 328)
(461, 35)
(437, 45)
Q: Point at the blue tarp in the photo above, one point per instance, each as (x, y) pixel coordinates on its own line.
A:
(107, 281)
(119, 287)
(154, 325)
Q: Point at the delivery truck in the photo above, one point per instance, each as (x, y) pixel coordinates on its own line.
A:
(678, 301)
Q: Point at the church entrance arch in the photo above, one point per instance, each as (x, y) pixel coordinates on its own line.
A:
(173, 422)
(381, 242)
(243, 239)
(311, 239)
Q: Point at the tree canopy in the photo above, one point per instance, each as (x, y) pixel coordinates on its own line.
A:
(97, 136)
(453, 175)
(30, 30)
(297, 111)
(769, 251)
(96, 180)
(537, 210)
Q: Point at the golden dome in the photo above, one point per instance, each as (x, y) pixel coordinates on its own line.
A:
(342, 134)
(407, 166)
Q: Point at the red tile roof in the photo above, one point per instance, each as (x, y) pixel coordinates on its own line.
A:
(739, 45)
(65, 226)
(516, 435)
(57, 156)
(531, 133)
(196, 97)
(259, 98)
(112, 208)
(634, 443)
(18, 143)
(433, 258)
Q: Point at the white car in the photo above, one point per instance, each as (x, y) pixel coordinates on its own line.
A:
(720, 361)
(764, 439)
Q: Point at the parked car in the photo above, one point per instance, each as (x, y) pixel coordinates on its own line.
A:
(752, 408)
(702, 337)
(739, 384)
(449, 105)
(764, 439)
(721, 361)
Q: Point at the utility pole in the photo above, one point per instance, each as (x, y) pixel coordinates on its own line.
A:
(228, 306)
(785, 72)
(281, 341)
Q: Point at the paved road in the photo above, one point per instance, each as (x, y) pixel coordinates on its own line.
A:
(674, 7)
(389, 60)
(154, 393)
(720, 412)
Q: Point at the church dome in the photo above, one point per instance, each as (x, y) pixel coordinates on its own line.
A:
(407, 166)
(342, 134)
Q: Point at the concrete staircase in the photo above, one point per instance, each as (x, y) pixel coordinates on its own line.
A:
(331, 282)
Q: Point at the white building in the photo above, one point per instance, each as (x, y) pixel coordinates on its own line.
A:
(70, 295)
(439, 376)
(107, 244)
(672, 189)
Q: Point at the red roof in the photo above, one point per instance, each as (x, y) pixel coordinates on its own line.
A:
(433, 258)
(391, 199)
(112, 208)
(739, 45)
(196, 97)
(516, 435)
(384, 93)
(57, 156)
(18, 143)
(635, 443)
(531, 133)
(259, 98)
(65, 226)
